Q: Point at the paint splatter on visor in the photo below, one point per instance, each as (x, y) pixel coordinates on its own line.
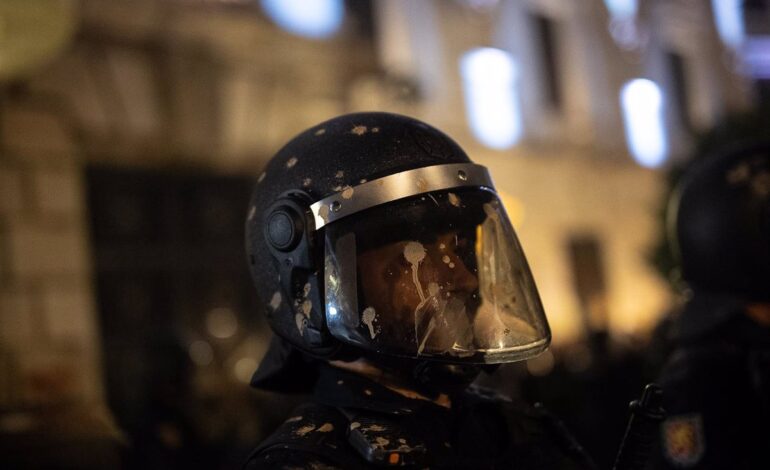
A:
(440, 275)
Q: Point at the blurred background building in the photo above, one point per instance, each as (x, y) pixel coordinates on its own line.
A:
(131, 131)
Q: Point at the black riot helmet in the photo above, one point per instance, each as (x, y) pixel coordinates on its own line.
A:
(375, 233)
(720, 223)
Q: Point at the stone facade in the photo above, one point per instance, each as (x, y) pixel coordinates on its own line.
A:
(50, 347)
(219, 88)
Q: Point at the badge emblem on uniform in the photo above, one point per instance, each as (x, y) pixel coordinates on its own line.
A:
(683, 439)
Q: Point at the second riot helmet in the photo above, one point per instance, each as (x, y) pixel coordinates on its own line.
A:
(721, 222)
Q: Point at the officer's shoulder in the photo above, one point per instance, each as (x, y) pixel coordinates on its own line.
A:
(312, 437)
(533, 427)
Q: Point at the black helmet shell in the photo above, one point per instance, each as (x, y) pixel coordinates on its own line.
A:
(323, 160)
(722, 223)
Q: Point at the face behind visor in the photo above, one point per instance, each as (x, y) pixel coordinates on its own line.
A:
(438, 275)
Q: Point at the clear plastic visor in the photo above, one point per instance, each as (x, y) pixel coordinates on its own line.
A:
(440, 275)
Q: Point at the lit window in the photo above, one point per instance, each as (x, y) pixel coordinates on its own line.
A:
(728, 15)
(622, 9)
(756, 57)
(623, 22)
(489, 81)
(310, 18)
(642, 103)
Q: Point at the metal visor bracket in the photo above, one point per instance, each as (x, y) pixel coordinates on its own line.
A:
(398, 186)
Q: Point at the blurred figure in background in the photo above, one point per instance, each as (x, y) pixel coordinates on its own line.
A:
(717, 381)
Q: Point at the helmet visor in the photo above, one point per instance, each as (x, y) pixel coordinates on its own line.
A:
(441, 275)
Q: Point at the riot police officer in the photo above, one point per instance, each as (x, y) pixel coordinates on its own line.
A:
(392, 277)
(717, 382)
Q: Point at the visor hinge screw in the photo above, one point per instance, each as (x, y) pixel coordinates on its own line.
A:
(335, 206)
(461, 174)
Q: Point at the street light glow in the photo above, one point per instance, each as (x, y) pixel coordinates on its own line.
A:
(316, 19)
(728, 15)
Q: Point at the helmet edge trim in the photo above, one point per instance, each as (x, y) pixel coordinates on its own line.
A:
(398, 186)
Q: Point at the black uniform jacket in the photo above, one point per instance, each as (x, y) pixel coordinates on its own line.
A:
(353, 422)
(716, 390)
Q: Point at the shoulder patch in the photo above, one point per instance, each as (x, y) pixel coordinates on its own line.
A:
(683, 439)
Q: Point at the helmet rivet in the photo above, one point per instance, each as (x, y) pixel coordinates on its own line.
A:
(461, 174)
(335, 206)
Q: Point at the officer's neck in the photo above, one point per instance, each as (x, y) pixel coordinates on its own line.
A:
(391, 381)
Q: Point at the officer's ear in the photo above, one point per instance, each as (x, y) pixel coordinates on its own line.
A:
(289, 232)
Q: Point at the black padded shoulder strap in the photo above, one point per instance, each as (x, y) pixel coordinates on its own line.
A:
(312, 429)
(382, 441)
